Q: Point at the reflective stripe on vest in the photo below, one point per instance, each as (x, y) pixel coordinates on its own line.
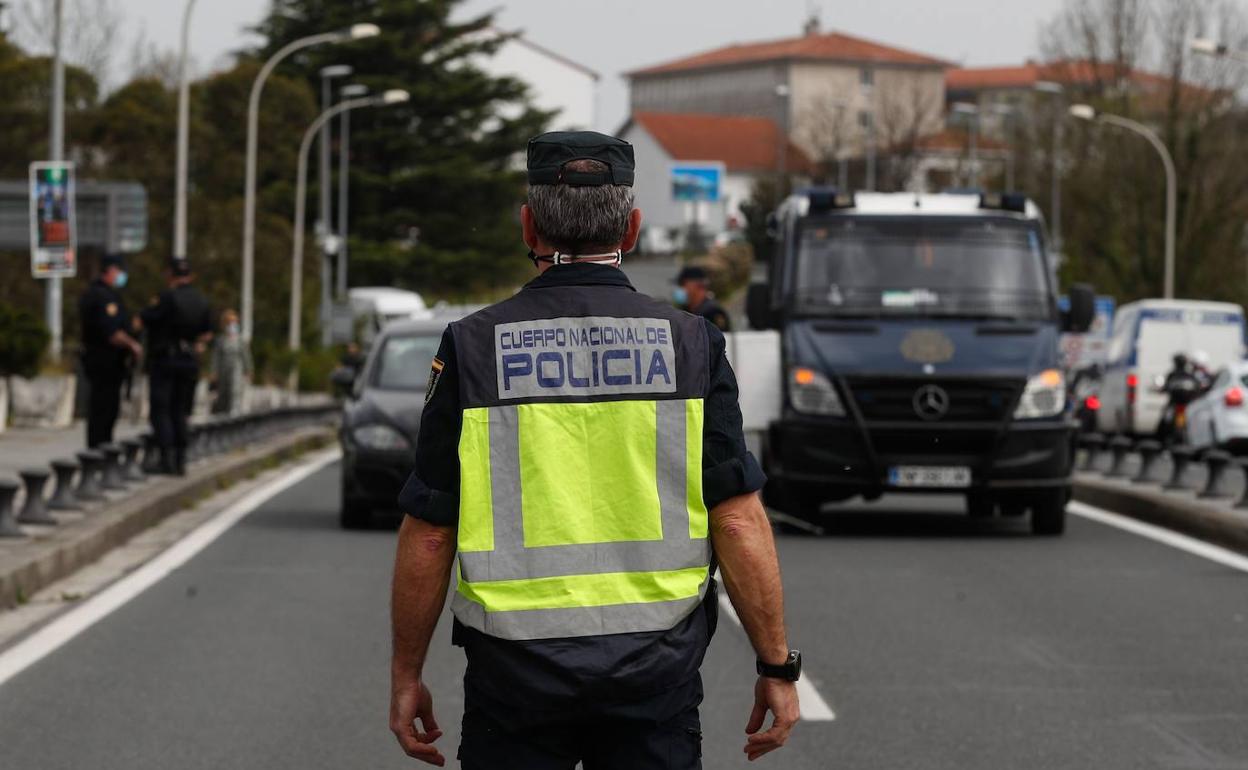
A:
(580, 519)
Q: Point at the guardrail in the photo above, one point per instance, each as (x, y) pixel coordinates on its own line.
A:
(1114, 456)
(81, 482)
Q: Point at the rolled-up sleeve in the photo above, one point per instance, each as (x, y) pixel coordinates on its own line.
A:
(432, 491)
(728, 467)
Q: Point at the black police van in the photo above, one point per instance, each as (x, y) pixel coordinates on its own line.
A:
(919, 339)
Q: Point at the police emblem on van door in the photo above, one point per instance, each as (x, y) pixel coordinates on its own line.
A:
(588, 356)
(927, 346)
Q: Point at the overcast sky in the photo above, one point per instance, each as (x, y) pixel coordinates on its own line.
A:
(613, 37)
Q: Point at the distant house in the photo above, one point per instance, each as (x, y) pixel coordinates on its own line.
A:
(556, 82)
(748, 147)
(831, 93)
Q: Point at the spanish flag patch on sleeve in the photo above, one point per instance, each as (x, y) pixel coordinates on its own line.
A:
(435, 373)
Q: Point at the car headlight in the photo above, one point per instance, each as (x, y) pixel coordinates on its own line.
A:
(1044, 396)
(812, 393)
(381, 437)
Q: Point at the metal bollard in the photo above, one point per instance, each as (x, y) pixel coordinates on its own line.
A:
(1181, 457)
(92, 463)
(1242, 462)
(1092, 443)
(8, 525)
(1149, 451)
(35, 510)
(111, 479)
(1120, 447)
(63, 498)
(1216, 460)
(131, 469)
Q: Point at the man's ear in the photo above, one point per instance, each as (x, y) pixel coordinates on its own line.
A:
(528, 229)
(633, 232)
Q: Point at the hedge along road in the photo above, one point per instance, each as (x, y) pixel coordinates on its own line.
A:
(940, 642)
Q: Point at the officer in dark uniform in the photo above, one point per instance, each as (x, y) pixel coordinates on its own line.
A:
(693, 293)
(581, 447)
(108, 349)
(179, 324)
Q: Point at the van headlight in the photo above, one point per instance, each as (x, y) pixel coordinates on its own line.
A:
(812, 393)
(380, 437)
(1044, 396)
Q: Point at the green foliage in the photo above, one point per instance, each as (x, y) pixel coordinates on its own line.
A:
(23, 338)
(765, 196)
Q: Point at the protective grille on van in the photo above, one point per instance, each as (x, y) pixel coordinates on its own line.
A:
(896, 399)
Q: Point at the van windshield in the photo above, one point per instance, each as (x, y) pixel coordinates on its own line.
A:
(922, 266)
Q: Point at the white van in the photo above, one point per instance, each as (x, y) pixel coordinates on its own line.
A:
(376, 306)
(1146, 336)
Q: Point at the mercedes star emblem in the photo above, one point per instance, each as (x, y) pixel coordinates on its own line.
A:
(931, 402)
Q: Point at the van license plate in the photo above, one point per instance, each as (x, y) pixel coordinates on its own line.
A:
(951, 477)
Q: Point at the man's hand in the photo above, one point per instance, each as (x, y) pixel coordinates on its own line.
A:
(780, 698)
(409, 701)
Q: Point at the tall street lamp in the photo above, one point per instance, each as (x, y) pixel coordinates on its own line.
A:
(353, 91)
(972, 138)
(354, 32)
(324, 182)
(391, 97)
(184, 118)
(1087, 112)
(1058, 92)
(56, 151)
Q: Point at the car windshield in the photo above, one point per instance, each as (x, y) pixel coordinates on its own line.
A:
(404, 360)
(920, 266)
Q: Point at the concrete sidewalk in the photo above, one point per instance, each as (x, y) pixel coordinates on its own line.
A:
(37, 447)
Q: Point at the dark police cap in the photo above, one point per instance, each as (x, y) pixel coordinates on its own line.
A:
(550, 153)
(180, 267)
(112, 260)
(692, 273)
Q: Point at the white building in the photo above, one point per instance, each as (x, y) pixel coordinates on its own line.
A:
(556, 83)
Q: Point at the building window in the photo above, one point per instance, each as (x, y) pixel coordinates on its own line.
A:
(864, 120)
(866, 77)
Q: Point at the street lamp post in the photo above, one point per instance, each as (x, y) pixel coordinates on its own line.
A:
(353, 91)
(972, 139)
(301, 185)
(354, 32)
(56, 151)
(324, 181)
(1087, 112)
(1055, 205)
(184, 116)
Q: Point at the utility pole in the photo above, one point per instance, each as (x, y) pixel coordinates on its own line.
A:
(56, 152)
(184, 119)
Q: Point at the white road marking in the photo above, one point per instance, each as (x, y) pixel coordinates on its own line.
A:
(51, 637)
(1164, 536)
(814, 707)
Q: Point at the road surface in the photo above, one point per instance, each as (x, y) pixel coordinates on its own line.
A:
(939, 642)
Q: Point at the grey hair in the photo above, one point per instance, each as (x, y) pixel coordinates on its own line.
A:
(581, 220)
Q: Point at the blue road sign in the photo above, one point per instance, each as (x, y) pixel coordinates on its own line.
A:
(697, 181)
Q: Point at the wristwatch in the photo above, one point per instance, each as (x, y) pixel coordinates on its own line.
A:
(790, 670)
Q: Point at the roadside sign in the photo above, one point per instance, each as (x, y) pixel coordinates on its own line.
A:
(697, 181)
(53, 237)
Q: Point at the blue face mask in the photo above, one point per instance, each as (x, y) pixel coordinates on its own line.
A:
(120, 281)
(680, 296)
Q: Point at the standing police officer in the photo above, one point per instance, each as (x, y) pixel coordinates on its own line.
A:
(179, 325)
(581, 448)
(108, 350)
(693, 293)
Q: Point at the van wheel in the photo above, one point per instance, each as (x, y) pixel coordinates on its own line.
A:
(1048, 512)
(354, 513)
(980, 506)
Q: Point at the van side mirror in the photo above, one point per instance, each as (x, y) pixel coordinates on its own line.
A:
(758, 307)
(1082, 310)
(343, 379)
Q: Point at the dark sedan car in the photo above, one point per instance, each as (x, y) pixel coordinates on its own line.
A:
(381, 417)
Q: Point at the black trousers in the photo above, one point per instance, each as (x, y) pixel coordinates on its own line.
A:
(172, 396)
(103, 404)
(612, 744)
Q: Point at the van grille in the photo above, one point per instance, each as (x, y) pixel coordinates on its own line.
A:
(893, 399)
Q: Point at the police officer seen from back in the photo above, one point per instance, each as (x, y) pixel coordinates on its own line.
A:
(693, 293)
(108, 350)
(179, 325)
(581, 449)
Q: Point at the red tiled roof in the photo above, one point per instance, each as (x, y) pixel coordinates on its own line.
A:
(1027, 75)
(743, 144)
(832, 46)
